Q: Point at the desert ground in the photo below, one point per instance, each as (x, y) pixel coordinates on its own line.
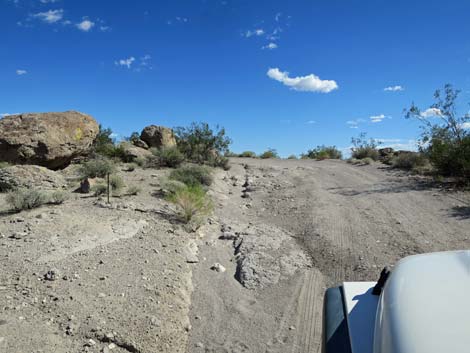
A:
(87, 276)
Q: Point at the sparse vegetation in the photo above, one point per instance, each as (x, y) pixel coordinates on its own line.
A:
(116, 183)
(97, 167)
(269, 153)
(133, 190)
(445, 139)
(99, 189)
(229, 154)
(192, 175)
(199, 142)
(4, 165)
(323, 152)
(168, 156)
(367, 160)
(140, 161)
(192, 202)
(292, 156)
(130, 167)
(364, 148)
(247, 154)
(58, 197)
(26, 199)
(409, 161)
(220, 162)
(172, 186)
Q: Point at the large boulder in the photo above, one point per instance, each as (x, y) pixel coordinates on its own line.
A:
(132, 152)
(30, 176)
(158, 136)
(48, 139)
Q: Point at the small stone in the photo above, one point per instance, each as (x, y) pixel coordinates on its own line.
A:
(218, 267)
(101, 295)
(292, 328)
(199, 345)
(51, 275)
(112, 346)
(90, 343)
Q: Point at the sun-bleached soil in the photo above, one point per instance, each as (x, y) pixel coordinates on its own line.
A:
(87, 277)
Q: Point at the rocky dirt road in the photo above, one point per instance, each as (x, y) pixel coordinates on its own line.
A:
(302, 226)
(85, 277)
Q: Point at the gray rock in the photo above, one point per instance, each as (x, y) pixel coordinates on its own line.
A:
(158, 136)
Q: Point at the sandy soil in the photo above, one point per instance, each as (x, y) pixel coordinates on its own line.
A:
(129, 278)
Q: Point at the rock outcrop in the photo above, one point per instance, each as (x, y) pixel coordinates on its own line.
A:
(132, 152)
(47, 139)
(158, 136)
(30, 176)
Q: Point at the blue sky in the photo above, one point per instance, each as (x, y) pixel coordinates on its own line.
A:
(283, 74)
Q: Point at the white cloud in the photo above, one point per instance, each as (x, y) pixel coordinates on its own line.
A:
(430, 112)
(354, 124)
(311, 122)
(465, 125)
(51, 16)
(278, 16)
(270, 46)
(257, 32)
(85, 25)
(125, 62)
(377, 118)
(399, 144)
(21, 72)
(48, 1)
(394, 88)
(309, 83)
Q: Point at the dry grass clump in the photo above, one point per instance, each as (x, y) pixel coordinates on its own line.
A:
(192, 202)
(193, 175)
(26, 199)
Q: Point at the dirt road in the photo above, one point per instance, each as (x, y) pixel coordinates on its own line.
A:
(85, 276)
(348, 221)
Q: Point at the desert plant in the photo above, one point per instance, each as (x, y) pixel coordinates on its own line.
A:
(25, 199)
(324, 152)
(192, 201)
(168, 156)
(133, 190)
(292, 156)
(198, 142)
(364, 148)
(247, 154)
(219, 162)
(4, 165)
(269, 153)
(99, 189)
(409, 161)
(116, 183)
(140, 161)
(130, 167)
(58, 197)
(229, 154)
(445, 135)
(97, 167)
(192, 175)
(170, 186)
(367, 160)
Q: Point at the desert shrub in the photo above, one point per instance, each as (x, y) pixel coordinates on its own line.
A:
(409, 161)
(58, 197)
(367, 160)
(324, 152)
(25, 199)
(219, 162)
(133, 190)
(134, 137)
(292, 156)
(199, 142)
(116, 183)
(97, 167)
(270, 153)
(229, 154)
(364, 148)
(247, 154)
(130, 167)
(446, 135)
(140, 161)
(168, 156)
(99, 189)
(4, 165)
(192, 175)
(354, 161)
(192, 201)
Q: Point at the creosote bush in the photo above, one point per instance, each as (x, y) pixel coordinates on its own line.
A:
(192, 175)
(219, 162)
(133, 190)
(409, 161)
(26, 199)
(168, 156)
(364, 148)
(270, 153)
(323, 152)
(192, 202)
(99, 189)
(58, 197)
(116, 183)
(247, 154)
(97, 168)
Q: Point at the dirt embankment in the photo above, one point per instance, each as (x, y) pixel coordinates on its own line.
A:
(83, 277)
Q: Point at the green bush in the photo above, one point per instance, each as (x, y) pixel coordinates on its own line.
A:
(365, 152)
(25, 199)
(192, 201)
(451, 158)
(130, 167)
(292, 156)
(229, 154)
(247, 154)
(116, 183)
(409, 161)
(367, 160)
(99, 189)
(4, 165)
(170, 187)
(133, 190)
(270, 153)
(58, 197)
(364, 148)
(199, 142)
(97, 168)
(324, 152)
(168, 156)
(192, 175)
(219, 162)
(141, 161)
